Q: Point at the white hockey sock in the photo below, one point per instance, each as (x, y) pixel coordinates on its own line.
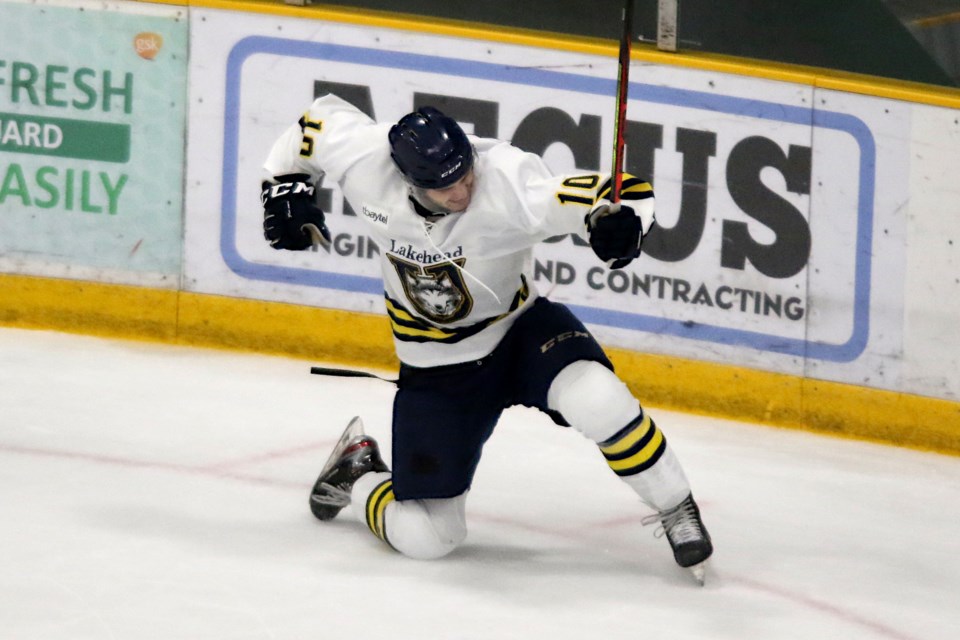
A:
(420, 529)
(371, 495)
(598, 404)
(592, 399)
(640, 455)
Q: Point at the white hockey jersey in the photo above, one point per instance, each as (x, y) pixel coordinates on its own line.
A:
(455, 285)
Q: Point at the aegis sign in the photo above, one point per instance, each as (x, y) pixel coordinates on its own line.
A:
(764, 209)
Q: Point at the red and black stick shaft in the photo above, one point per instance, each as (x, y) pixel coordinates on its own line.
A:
(623, 83)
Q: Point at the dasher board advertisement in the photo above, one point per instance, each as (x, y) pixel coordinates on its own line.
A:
(92, 137)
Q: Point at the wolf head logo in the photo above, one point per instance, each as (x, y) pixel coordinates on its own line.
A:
(434, 295)
(437, 292)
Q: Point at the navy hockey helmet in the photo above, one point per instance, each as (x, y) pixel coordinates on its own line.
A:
(430, 149)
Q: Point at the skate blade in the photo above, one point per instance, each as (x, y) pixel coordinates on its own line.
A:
(699, 572)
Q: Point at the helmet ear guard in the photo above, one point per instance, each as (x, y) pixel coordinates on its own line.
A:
(430, 149)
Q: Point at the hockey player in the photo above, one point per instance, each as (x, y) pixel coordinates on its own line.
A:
(456, 218)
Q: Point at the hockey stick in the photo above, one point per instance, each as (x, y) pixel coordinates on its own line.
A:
(347, 373)
(620, 117)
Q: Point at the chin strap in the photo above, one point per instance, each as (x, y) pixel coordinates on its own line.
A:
(426, 234)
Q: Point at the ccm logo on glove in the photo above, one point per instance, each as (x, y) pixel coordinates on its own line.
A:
(285, 189)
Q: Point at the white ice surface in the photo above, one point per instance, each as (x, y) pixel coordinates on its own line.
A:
(157, 492)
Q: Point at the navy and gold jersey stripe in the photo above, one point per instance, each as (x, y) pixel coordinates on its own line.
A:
(377, 503)
(631, 188)
(636, 448)
(409, 328)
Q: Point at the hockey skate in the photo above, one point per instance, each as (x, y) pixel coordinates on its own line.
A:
(687, 536)
(355, 454)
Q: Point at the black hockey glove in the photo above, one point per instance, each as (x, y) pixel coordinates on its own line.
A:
(616, 230)
(291, 219)
(615, 236)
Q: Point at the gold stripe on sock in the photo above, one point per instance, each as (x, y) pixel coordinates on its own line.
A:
(377, 503)
(629, 439)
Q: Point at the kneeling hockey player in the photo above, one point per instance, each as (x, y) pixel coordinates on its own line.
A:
(456, 218)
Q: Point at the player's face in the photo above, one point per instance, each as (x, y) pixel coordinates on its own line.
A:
(455, 197)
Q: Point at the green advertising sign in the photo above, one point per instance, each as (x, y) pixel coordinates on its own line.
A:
(92, 136)
(65, 138)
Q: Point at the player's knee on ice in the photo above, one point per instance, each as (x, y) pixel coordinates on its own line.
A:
(419, 529)
(592, 399)
(427, 529)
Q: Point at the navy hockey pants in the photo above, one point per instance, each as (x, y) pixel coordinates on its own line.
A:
(442, 416)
